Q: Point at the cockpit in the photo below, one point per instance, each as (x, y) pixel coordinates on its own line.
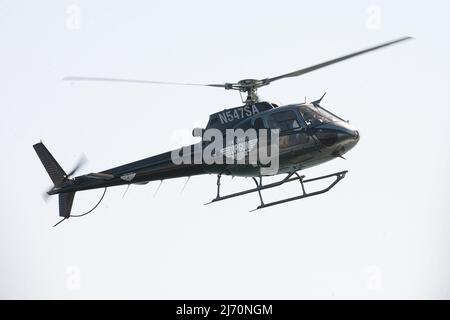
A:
(316, 115)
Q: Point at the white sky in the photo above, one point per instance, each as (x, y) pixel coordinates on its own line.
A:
(380, 233)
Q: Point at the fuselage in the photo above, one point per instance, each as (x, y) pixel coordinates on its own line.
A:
(308, 135)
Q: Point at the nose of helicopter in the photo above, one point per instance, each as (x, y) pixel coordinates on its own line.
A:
(356, 135)
(340, 136)
(348, 136)
(351, 134)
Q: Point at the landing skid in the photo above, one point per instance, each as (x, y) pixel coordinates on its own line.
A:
(259, 187)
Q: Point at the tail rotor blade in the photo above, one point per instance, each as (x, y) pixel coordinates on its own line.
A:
(81, 162)
(45, 195)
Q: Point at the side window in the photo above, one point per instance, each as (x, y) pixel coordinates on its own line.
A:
(258, 124)
(284, 120)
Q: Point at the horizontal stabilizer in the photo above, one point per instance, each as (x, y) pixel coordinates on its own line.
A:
(100, 176)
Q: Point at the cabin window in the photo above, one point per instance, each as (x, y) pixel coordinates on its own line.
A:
(258, 124)
(286, 120)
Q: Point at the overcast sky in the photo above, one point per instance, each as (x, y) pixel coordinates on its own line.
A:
(380, 233)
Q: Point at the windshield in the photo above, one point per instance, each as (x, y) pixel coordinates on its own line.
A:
(314, 116)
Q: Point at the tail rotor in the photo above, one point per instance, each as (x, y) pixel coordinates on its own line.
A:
(82, 161)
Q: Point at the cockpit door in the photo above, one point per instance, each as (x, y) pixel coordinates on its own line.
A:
(293, 131)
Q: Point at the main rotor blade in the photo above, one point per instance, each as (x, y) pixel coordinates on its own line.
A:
(140, 81)
(330, 62)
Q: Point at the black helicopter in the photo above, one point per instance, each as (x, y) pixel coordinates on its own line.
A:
(308, 135)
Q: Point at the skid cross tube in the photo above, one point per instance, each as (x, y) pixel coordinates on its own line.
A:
(339, 176)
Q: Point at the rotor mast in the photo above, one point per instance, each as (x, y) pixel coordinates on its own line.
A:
(249, 87)
(252, 97)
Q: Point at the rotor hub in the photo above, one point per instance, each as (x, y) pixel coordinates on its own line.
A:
(249, 86)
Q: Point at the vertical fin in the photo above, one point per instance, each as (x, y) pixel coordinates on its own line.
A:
(65, 204)
(52, 167)
(58, 175)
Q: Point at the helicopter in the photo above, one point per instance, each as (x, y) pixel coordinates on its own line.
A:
(303, 134)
